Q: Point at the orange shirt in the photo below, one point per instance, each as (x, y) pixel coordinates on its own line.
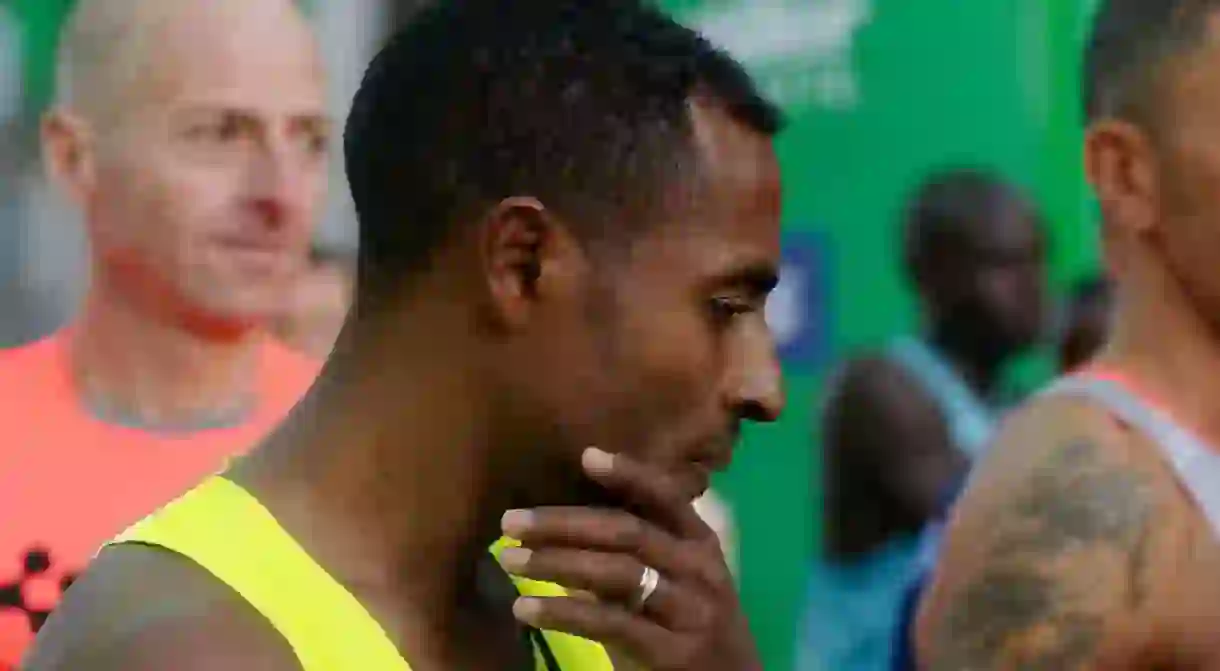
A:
(69, 482)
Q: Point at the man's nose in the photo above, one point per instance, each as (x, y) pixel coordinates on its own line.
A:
(760, 381)
(272, 183)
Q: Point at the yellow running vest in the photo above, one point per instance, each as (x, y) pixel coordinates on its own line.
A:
(226, 531)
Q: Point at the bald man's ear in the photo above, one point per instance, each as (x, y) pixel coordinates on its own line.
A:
(67, 153)
(1120, 164)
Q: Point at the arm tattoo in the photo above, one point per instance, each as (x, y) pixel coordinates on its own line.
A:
(1073, 502)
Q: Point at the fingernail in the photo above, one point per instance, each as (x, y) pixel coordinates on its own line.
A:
(515, 522)
(527, 610)
(514, 559)
(597, 462)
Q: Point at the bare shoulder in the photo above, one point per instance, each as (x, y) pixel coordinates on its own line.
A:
(873, 393)
(874, 375)
(1051, 555)
(142, 609)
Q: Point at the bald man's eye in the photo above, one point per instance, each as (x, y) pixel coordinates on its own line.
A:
(219, 131)
(316, 143)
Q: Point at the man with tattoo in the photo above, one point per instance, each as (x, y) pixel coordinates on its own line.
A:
(1089, 538)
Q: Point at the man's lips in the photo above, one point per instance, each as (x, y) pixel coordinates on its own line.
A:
(717, 454)
(714, 457)
(255, 251)
(253, 244)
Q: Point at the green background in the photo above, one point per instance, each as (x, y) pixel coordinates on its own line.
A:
(985, 82)
(989, 82)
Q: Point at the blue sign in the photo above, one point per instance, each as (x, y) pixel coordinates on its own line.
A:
(799, 310)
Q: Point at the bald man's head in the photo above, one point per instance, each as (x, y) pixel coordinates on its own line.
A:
(194, 135)
(115, 53)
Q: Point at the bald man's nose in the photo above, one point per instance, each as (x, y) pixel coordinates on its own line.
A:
(275, 179)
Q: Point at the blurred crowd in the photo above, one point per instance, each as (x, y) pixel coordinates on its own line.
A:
(902, 425)
(171, 281)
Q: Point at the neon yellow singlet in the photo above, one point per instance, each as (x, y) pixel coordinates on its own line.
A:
(227, 532)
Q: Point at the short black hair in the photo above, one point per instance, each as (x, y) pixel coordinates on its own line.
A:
(947, 205)
(583, 104)
(1130, 43)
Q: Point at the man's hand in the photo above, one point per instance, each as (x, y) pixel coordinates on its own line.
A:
(691, 621)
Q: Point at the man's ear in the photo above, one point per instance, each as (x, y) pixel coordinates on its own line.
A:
(1120, 163)
(67, 150)
(528, 257)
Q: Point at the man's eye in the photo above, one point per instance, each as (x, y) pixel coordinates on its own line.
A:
(725, 309)
(222, 131)
(317, 143)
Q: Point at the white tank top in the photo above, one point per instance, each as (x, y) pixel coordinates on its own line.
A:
(1196, 463)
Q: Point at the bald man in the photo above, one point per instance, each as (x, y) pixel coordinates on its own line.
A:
(192, 136)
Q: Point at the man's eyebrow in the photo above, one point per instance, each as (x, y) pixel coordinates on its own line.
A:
(194, 110)
(759, 277)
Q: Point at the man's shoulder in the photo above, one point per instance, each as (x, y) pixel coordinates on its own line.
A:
(1049, 425)
(1064, 446)
(31, 361)
(1065, 529)
(142, 608)
(873, 397)
(875, 377)
(38, 408)
(869, 364)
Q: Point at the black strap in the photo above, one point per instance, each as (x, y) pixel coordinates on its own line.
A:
(498, 586)
(548, 657)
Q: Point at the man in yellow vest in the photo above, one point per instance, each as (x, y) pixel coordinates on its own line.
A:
(569, 225)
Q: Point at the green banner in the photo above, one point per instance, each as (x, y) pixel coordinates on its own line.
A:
(39, 22)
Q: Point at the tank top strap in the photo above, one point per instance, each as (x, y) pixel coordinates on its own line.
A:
(971, 420)
(1194, 461)
(568, 652)
(228, 533)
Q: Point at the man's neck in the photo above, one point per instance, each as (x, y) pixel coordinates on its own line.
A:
(1160, 339)
(390, 484)
(978, 370)
(132, 367)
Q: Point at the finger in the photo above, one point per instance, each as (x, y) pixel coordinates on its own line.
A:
(654, 491)
(612, 531)
(606, 623)
(612, 577)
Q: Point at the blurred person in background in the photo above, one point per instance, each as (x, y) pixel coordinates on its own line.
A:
(317, 306)
(192, 136)
(512, 310)
(1086, 322)
(902, 426)
(1090, 539)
